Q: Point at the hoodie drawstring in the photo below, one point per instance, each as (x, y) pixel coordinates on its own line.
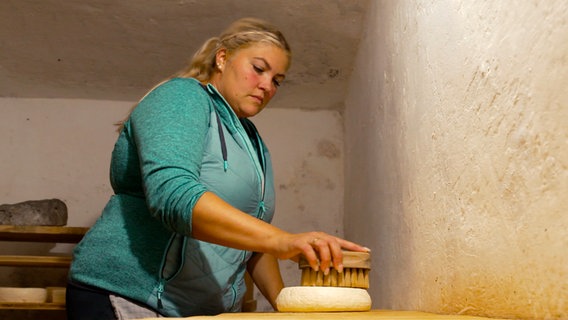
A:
(223, 144)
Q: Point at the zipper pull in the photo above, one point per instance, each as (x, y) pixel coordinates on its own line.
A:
(261, 210)
(160, 291)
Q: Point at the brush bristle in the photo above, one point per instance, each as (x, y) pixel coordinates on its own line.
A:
(350, 278)
(356, 268)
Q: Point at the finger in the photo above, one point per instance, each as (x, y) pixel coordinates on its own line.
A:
(337, 256)
(352, 246)
(311, 256)
(322, 248)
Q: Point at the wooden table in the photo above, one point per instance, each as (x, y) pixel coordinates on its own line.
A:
(369, 315)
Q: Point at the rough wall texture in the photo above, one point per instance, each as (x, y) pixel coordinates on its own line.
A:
(457, 158)
(161, 36)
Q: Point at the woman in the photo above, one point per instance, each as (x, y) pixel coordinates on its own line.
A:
(194, 193)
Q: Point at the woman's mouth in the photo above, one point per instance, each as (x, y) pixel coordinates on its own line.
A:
(258, 98)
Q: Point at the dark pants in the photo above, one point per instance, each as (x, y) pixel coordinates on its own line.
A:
(85, 303)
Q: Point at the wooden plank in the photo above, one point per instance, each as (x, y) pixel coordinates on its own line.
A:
(369, 315)
(35, 261)
(351, 259)
(42, 233)
(31, 306)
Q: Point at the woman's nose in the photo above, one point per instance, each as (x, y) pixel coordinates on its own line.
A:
(266, 84)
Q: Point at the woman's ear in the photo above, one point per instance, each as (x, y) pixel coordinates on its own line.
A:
(221, 58)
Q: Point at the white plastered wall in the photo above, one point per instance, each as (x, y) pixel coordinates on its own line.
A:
(456, 156)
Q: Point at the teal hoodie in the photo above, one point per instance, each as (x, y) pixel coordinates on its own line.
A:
(180, 141)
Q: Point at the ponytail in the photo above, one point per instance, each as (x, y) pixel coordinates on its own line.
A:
(202, 63)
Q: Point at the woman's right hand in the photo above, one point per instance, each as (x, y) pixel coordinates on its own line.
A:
(320, 249)
(216, 221)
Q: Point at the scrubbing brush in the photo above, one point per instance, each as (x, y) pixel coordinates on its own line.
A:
(356, 268)
(334, 292)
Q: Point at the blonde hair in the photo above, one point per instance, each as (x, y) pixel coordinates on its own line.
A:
(240, 34)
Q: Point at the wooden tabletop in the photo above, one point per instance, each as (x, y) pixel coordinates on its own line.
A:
(369, 315)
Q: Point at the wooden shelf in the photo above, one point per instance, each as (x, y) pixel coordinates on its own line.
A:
(35, 261)
(42, 234)
(45, 234)
(31, 306)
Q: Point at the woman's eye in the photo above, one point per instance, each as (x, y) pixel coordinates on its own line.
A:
(257, 69)
(276, 82)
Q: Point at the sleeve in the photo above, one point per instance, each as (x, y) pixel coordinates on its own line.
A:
(169, 127)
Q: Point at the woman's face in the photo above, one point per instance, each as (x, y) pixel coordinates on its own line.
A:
(250, 77)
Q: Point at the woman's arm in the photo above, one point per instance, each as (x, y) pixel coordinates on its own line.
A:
(265, 272)
(214, 220)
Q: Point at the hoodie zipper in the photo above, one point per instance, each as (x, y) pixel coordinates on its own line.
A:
(160, 292)
(257, 163)
(262, 163)
(258, 160)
